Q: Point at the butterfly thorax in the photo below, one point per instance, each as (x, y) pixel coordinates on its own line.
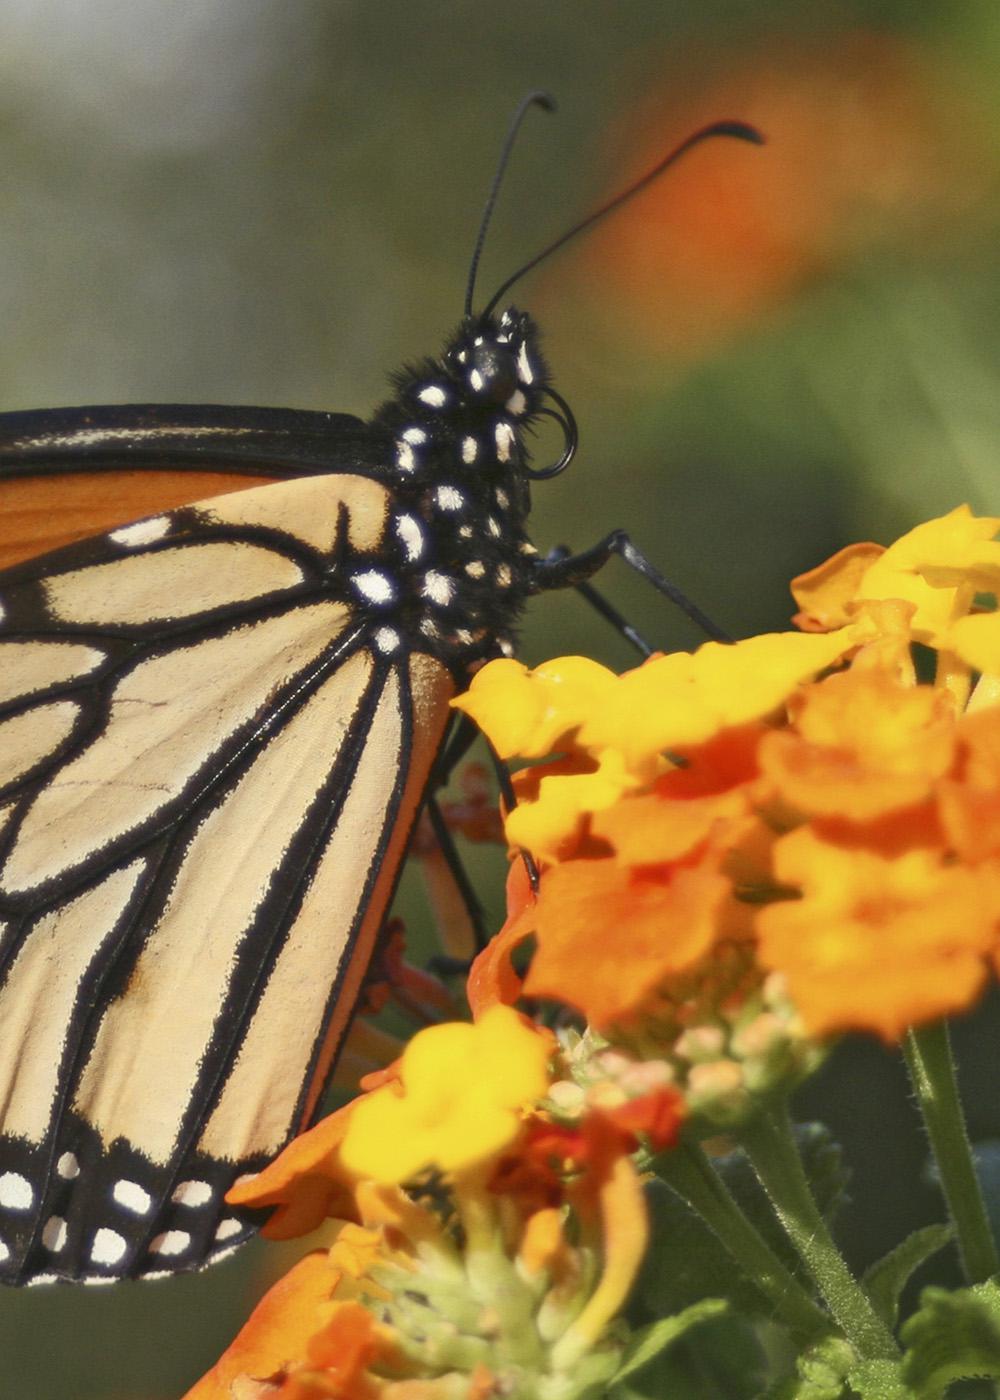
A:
(462, 564)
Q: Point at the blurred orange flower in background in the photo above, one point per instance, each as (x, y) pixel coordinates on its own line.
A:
(866, 142)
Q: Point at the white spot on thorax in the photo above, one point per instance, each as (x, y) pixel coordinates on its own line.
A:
(227, 1228)
(501, 498)
(503, 434)
(475, 379)
(170, 1242)
(507, 648)
(449, 498)
(516, 404)
(192, 1193)
(438, 587)
(406, 459)
(504, 576)
(373, 586)
(411, 534)
(15, 1191)
(475, 568)
(143, 532)
(433, 396)
(3, 612)
(108, 1247)
(4, 1252)
(132, 1196)
(54, 1233)
(386, 639)
(414, 435)
(493, 527)
(465, 532)
(470, 448)
(68, 1167)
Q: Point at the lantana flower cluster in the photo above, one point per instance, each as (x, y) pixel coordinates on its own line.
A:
(736, 855)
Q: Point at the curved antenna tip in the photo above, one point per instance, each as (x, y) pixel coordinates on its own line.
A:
(743, 131)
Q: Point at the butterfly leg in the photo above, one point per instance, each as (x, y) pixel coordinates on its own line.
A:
(574, 570)
(605, 609)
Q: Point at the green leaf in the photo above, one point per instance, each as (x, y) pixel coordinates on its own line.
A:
(952, 1336)
(720, 1357)
(886, 1279)
(820, 1373)
(651, 1340)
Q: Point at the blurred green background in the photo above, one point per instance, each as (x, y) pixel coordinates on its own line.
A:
(772, 353)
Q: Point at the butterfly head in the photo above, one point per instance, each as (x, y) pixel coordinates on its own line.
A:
(495, 363)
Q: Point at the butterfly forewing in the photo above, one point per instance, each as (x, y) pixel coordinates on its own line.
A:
(210, 762)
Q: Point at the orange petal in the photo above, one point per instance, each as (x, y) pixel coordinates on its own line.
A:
(304, 1182)
(492, 978)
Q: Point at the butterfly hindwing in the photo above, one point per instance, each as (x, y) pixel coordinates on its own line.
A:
(208, 775)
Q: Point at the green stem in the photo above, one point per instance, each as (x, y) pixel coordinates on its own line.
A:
(932, 1072)
(770, 1144)
(688, 1171)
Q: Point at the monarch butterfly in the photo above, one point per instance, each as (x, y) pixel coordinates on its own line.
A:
(218, 720)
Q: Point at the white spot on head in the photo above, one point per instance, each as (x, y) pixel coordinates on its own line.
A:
(503, 434)
(479, 340)
(504, 576)
(493, 527)
(516, 404)
(373, 586)
(525, 369)
(15, 1191)
(414, 435)
(54, 1233)
(438, 587)
(433, 396)
(405, 458)
(470, 448)
(170, 1242)
(387, 639)
(132, 1196)
(142, 532)
(476, 379)
(108, 1247)
(475, 568)
(68, 1167)
(192, 1193)
(506, 648)
(501, 498)
(228, 1228)
(449, 498)
(411, 534)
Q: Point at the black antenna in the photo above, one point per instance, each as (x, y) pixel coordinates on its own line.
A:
(541, 99)
(742, 131)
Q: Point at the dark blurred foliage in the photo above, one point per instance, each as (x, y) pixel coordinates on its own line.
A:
(770, 354)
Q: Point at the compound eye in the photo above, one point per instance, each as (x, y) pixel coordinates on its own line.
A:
(492, 373)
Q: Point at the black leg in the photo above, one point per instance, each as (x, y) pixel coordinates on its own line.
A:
(574, 570)
(601, 605)
(443, 836)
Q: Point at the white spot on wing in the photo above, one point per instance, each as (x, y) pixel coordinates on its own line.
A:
(438, 587)
(373, 586)
(132, 1196)
(411, 535)
(170, 1242)
(94, 1281)
(142, 532)
(433, 396)
(405, 458)
(387, 639)
(108, 1247)
(414, 435)
(192, 1193)
(68, 1167)
(4, 1252)
(449, 498)
(228, 1228)
(54, 1233)
(15, 1191)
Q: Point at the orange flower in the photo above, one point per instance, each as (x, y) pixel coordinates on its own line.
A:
(888, 932)
(861, 745)
(608, 936)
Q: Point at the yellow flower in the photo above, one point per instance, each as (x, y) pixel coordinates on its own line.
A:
(462, 1091)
